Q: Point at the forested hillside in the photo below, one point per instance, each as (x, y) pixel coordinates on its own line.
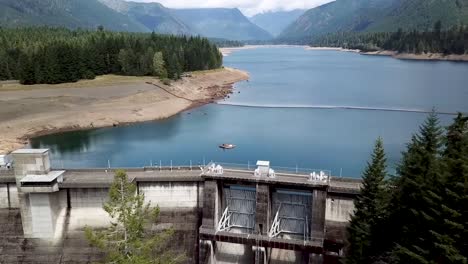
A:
(421, 215)
(376, 16)
(153, 16)
(65, 13)
(436, 40)
(47, 55)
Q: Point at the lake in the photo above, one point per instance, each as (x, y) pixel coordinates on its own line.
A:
(301, 108)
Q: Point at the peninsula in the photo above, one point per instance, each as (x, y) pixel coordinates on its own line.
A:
(109, 100)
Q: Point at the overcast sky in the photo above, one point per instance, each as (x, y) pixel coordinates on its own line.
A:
(248, 7)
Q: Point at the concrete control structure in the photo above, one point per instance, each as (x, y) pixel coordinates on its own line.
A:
(222, 215)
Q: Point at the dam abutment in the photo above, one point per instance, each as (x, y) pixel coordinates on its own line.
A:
(221, 216)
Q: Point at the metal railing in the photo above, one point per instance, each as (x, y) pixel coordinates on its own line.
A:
(322, 175)
(278, 169)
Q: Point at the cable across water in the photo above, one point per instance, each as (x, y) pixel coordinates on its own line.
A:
(368, 108)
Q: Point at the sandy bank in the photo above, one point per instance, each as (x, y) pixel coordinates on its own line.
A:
(332, 48)
(401, 56)
(27, 111)
(423, 56)
(228, 51)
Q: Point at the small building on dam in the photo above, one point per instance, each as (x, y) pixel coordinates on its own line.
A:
(219, 214)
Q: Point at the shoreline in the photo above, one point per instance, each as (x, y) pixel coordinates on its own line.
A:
(393, 54)
(421, 57)
(333, 49)
(228, 50)
(401, 56)
(107, 101)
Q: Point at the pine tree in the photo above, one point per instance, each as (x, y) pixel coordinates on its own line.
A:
(126, 240)
(417, 200)
(159, 65)
(62, 55)
(451, 240)
(369, 207)
(27, 69)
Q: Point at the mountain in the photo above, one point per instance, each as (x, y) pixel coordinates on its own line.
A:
(376, 15)
(66, 13)
(153, 16)
(422, 14)
(226, 23)
(276, 22)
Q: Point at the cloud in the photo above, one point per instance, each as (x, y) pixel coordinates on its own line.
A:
(248, 7)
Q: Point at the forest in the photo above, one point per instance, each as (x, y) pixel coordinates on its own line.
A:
(224, 43)
(419, 215)
(452, 41)
(57, 55)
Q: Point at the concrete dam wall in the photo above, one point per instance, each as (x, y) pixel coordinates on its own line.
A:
(43, 213)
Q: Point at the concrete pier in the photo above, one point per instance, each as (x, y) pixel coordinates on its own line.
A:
(227, 216)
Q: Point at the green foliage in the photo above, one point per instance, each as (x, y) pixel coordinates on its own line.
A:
(452, 41)
(154, 16)
(65, 13)
(453, 243)
(57, 55)
(126, 240)
(376, 16)
(369, 207)
(223, 43)
(425, 219)
(158, 65)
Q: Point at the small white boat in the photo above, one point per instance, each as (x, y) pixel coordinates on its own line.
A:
(227, 146)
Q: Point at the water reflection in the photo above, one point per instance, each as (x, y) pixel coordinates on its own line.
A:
(75, 141)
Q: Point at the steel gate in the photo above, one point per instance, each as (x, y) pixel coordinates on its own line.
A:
(291, 213)
(239, 208)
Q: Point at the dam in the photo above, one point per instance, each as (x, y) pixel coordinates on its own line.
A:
(219, 214)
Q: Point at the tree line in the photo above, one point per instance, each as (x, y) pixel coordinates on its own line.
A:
(56, 55)
(225, 43)
(451, 41)
(421, 214)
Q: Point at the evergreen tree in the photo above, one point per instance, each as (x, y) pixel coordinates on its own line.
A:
(126, 241)
(451, 240)
(27, 70)
(447, 41)
(369, 206)
(426, 217)
(56, 55)
(415, 207)
(159, 65)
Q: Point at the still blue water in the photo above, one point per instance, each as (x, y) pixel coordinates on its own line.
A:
(332, 139)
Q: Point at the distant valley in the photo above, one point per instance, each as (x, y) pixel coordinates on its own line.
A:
(276, 22)
(227, 23)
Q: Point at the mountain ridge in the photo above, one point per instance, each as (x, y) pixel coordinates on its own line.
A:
(152, 15)
(226, 23)
(376, 15)
(65, 13)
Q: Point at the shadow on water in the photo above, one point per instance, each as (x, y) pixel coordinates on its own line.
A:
(86, 140)
(74, 141)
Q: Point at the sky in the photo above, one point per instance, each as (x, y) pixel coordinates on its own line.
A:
(248, 7)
